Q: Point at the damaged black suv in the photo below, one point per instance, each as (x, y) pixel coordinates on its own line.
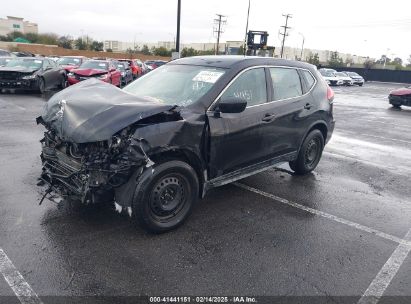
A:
(193, 124)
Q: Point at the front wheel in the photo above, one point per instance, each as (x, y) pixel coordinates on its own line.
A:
(164, 199)
(42, 85)
(63, 83)
(310, 153)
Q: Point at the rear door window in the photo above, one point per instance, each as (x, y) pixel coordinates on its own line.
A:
(286, 83)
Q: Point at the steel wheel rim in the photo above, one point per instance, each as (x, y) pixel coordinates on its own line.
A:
(312, 152)
(168, 197)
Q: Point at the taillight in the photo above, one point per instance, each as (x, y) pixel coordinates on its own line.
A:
(330, 94)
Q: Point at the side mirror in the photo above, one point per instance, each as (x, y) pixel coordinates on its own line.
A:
(232, 105)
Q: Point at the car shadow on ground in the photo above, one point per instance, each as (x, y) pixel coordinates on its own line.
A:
(402, 110)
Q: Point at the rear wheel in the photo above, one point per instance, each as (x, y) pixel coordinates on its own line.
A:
(310, 153)
(164, 200)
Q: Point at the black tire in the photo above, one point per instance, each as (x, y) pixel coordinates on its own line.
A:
(310, 153)
(361, 84)
(395, 106)
(164, 198)
(42, 85)
(63, 83)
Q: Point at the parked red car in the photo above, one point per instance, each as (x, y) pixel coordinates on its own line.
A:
(400, 97)
(71, 62)
(100, 69)
(135, 68)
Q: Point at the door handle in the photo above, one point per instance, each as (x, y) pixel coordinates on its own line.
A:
(268, 117)
(307, 106)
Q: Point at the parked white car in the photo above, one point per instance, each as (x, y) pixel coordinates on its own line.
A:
(357, 79)
(330, 78)
(345, 78)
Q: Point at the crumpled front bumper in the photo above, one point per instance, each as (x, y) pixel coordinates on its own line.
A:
(23, 84)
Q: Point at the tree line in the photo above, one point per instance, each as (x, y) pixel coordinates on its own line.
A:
(67, 42)
(336, 61)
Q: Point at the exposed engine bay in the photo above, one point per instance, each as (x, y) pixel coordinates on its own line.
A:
(88, 170)
(93, 164)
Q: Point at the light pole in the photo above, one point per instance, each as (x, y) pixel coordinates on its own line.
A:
(178, 26)
(302, 46)
(246, 29)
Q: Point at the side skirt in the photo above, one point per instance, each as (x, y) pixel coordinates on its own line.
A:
(247, 171)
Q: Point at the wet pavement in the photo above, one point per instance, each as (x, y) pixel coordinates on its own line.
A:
(325, 234)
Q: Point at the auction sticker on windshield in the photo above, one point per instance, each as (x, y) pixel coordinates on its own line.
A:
(208, 76)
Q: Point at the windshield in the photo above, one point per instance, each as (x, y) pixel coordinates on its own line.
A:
(25, 63)
(99, 65)
(69, 61)
(180, 85)
(353, 74)
(341, 74)
(120, 67)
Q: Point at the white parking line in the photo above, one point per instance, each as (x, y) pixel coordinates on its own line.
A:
(384, 277)
(381, 122)
(376, 136)
(328, 216)
(394, 170)
(15, 280)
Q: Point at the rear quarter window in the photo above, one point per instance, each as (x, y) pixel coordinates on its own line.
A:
(309, 78)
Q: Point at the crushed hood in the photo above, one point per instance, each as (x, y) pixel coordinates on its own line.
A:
(93, 110)
(88, 72)
(69, 67)
(17, 69)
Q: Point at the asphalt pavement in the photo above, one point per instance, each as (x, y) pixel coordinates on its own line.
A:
(341, 231)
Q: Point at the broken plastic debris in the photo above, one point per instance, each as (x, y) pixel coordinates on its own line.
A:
(118, 207)
(149, 163)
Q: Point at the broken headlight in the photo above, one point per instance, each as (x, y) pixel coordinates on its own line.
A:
(29, 76)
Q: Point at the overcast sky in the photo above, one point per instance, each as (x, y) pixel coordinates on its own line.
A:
(366, 28)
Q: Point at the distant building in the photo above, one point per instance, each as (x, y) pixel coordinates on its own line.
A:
(323, 55)
(12, 24)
